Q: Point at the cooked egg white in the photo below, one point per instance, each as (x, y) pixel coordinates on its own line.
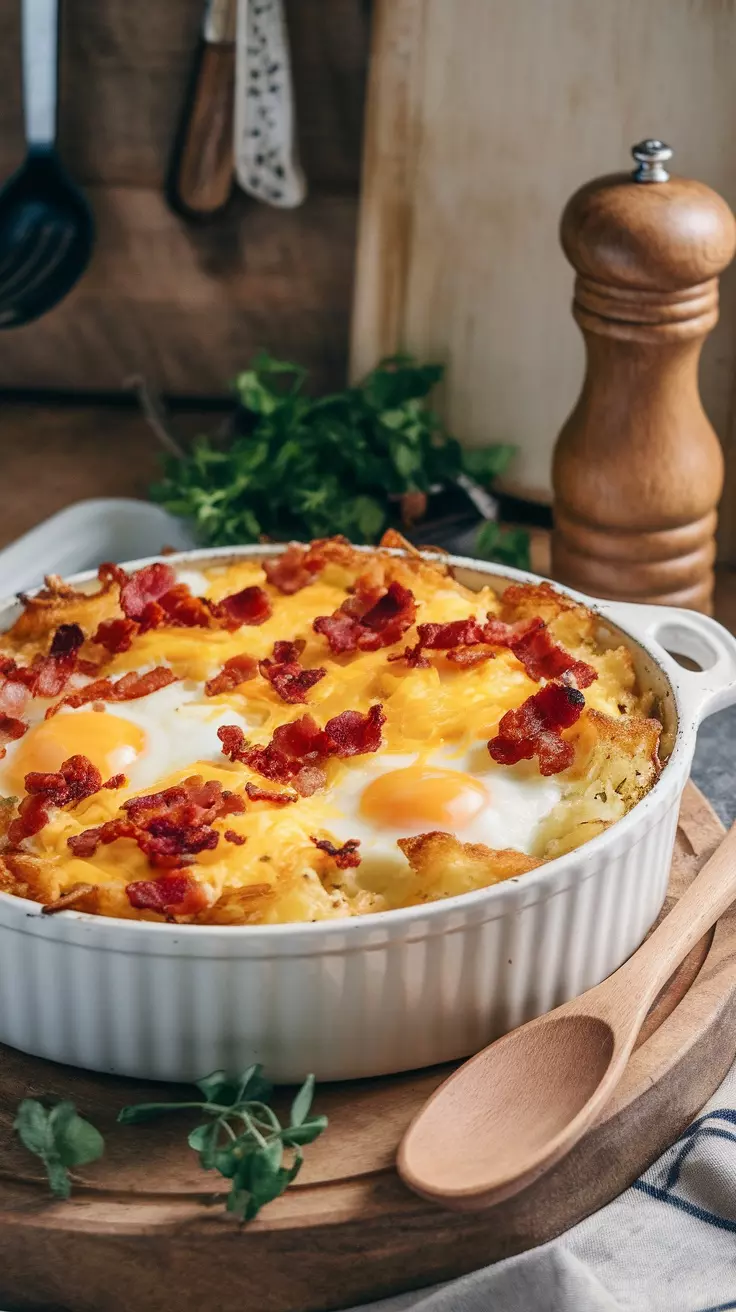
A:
(195, 580)
(395, 795)
(145, 739)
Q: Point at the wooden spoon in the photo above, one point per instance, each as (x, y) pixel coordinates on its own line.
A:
(507, 1115)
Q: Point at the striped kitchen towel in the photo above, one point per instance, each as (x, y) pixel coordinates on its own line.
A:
(668, 1244)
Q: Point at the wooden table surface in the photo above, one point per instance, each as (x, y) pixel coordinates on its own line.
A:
(52, 455)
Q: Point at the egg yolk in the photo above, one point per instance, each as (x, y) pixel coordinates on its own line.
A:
(108, 741)
(418, 795)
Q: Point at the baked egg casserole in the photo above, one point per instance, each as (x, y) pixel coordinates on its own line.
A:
(328, 733)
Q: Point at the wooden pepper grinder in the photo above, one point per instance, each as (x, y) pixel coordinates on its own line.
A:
(638, 469)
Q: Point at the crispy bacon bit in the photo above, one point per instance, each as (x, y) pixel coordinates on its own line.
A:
(231, 836)
(286, 674)
(533, 729)
(68, 638)
(52, 673)
(110, 574)
(340, 630)
(366, 623)
(175, 894)
(293, 570)
(233, 741)
(78, 778)
(125, 689)
(86, 843)
(470, 656)
(183, 610)
(344, 856)
(297, 751)
(250, 606)
(543, 658)
(191, 802)
(451, 637)
(412, 657)
(169, 827)
(32, 815)
(116, 781)
(580, 675)
(392, 614)
(353, 734)
(116, 635)
(11, 728)
(152, 597)
(75, 897)
(145, 586)
(257, 794)
(529, 640)
(46, 676)
(286, 652)
(90, 668)
(234, 672)
(456, 633)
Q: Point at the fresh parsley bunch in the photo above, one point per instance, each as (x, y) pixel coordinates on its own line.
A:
(242, 1136)
(297, 467)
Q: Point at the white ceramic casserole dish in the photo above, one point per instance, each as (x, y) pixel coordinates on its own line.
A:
(379, 993)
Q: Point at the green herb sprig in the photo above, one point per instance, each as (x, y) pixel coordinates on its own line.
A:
(60, 1137)
(299, 467)
(242, 1137)
(508, 546)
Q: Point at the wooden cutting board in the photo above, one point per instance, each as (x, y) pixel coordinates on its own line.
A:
(146, 1229)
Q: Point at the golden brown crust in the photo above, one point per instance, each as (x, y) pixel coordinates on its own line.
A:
(46, 610)
(80, 897)
(438, 856)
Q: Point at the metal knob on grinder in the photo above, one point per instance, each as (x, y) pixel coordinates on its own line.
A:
(638, 470)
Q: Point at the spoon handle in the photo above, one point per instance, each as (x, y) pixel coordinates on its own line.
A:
(40, 50)
(713, 890)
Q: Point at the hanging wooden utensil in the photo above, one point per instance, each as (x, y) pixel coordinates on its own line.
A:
(201, 176)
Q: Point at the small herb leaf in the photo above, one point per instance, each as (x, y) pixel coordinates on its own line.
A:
(77, 1141)
(204, 1140)
(215, 1087)
(307, 1132)
(508, 546)
(32, 1126)
(303, 1101)
(60, 1137)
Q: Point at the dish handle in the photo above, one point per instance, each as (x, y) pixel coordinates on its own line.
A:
(666, 631)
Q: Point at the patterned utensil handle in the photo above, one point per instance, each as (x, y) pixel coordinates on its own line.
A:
(266, 158)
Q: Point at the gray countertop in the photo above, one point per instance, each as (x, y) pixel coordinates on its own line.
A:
(714, 765)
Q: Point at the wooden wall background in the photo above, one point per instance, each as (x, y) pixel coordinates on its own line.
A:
(483, 117)
(188, 303)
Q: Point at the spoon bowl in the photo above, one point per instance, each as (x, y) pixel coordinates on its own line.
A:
(499, 1122)
(511, 1112)
(46, 238)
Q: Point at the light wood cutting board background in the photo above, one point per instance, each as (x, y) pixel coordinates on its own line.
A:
(483, 117)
